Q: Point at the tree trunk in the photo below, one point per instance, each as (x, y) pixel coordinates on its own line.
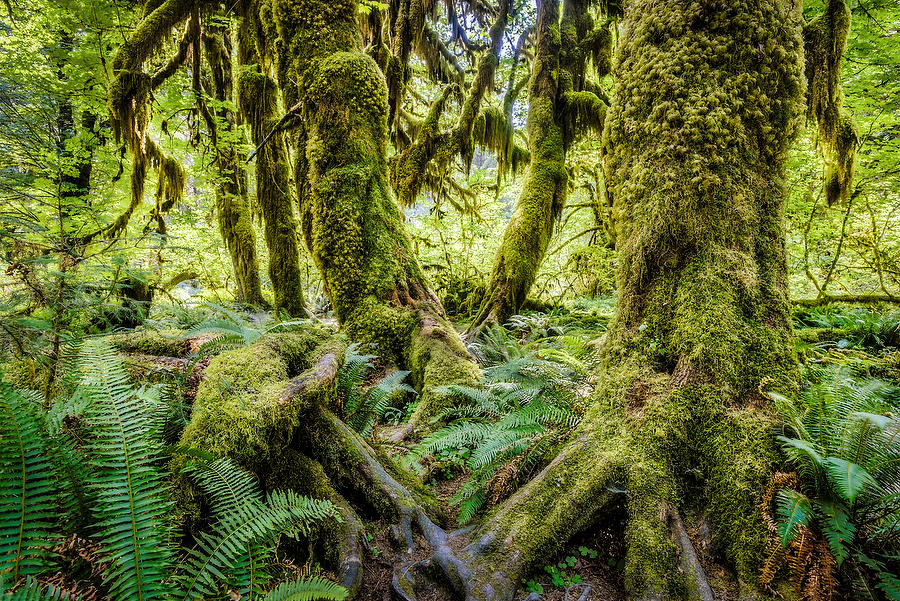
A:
(706, 103)
(544, 192)
(258, 102)
(351, 223)
(232, 203)
(560, 105)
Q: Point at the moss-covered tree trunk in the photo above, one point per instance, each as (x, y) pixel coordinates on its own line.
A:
(544, 191)
(351, 223)
(559, 104)
(706, 102)
(232, 202)
(258, 95)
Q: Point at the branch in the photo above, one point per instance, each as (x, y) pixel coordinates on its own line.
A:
(281, 126)
(846, 298)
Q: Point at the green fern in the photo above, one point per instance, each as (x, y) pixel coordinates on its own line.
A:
(28, 497)
(307, 589)
(843, 437)
(218, 551)
(232, 331)
(365, 405)
(32, 590)
(521, 409)
(131, 500)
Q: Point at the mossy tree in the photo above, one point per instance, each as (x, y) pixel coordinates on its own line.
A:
(232, 194)
(708, 96)
(563, 101)
(258, 102)
(351, 223)
(707, 99)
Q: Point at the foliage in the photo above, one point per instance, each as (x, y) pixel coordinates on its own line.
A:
(232, 330)
(126, 489)
(363, 405)
(502, 429)
(841, 436)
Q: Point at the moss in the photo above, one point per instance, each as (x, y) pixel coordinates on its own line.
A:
(695, 161)
(259, 104)
(239, 411)
(160, 343)
(825, 42)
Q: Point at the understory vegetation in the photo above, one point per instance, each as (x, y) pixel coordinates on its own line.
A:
(449, 300)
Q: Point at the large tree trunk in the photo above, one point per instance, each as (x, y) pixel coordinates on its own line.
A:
(352, 225)
(707, 99)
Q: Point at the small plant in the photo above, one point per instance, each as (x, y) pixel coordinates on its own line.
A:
(503, 427)
(363, 405)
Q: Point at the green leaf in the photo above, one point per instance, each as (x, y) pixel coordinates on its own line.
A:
(848, 479)
(794, 513)
(837, 528)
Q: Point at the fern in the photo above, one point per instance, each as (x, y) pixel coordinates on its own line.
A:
(218, 551)
(33, 590)
(28, 498)
(843, 438)
(522, 406)
(307, 589)
(232, 331)
(131, 498)
(365, 405)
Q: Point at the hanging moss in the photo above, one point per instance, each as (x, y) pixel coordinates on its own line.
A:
(528, 233)
(258, 102)
(128, 100)
(825, 42)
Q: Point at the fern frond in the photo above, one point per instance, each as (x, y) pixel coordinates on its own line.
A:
(28, 495)
(218, 551)
(228, 486)
(312, 588)
(131, 499)
(34, 591)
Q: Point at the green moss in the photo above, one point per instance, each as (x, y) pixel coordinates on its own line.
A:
(239, 411)
(160, 343)
(825, 42)
(258, 102)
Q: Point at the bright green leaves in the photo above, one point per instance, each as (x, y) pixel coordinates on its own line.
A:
(794, 514)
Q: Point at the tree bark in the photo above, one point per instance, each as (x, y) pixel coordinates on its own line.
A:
(706, 103)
